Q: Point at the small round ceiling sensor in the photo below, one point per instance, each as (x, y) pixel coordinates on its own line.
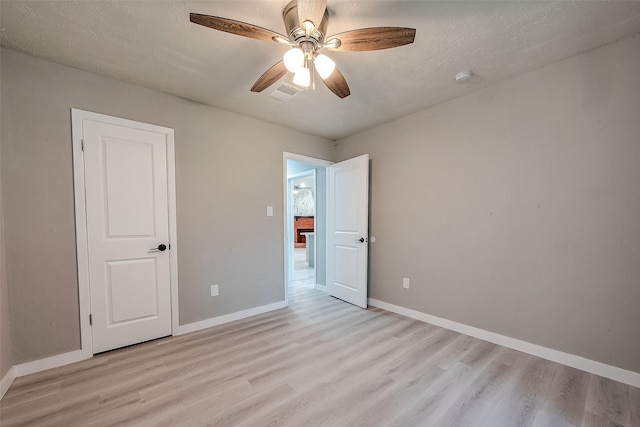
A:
(463, 76)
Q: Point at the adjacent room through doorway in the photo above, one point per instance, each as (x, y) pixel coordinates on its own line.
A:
(304, 235)
(306, 221)
(302, 215)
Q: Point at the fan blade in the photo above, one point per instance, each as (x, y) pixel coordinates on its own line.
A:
(234, 27)
(377, 38)
(311, 10)
(337, 84)
(270, 76)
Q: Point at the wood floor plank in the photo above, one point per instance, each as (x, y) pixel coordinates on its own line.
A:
(524, 395)
(400, 397)
(568, 394)
(202, 404)
(475, 403)
(437, 398)
(435, 348)
(236, 413)
(609, 400)
(550, 419)
(634, 405)
(592, 420)
(320, 361)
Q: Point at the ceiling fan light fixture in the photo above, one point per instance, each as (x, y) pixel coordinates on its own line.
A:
(294, 59)
(302, 77)
(306, 22)
(324, 65)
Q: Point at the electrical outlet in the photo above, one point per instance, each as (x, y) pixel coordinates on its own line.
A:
(214, 290)
(269, 210)
(405, 282)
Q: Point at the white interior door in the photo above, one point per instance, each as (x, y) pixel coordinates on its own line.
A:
(126, 189)
(348, 227)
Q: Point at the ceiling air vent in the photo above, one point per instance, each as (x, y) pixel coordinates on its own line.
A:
(284, 92)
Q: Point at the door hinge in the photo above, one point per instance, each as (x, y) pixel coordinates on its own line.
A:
(90, 320)
(82, 144)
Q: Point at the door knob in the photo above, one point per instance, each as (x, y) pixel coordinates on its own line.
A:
(161, 248)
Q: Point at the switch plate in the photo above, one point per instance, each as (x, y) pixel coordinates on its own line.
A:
(405, 282)
(269, 210)
(214, 290)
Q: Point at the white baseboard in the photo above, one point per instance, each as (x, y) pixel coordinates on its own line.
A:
(591, 366)
(7, 380)
(50, 362)
(215, 321)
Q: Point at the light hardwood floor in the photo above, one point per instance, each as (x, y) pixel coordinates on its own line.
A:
(319, 362)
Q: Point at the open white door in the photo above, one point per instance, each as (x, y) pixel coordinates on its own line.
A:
(125, 171)
(348, 227)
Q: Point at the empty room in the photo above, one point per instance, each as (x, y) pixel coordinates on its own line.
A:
(310, 212)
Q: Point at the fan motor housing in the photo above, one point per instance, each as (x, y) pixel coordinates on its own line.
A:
(295, 32)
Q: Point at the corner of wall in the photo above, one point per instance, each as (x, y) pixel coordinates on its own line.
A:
(6, 345)
(6, 381)
(7, 370)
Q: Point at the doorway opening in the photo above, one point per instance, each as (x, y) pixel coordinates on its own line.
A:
(305, 210)
(341, 225)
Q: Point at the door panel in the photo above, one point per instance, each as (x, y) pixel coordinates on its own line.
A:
(348, 227)
(346, 183)
(131, 291)
(128, 171)
(127, 218)
(345, 275)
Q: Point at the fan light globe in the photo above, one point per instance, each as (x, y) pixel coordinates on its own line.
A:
(302, 77)
(324, 65)
(294, 59)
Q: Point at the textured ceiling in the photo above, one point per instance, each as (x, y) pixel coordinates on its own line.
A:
(153, 44)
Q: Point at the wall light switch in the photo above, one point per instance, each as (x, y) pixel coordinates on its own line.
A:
(405, 282)
(269, 210)
(214, 290)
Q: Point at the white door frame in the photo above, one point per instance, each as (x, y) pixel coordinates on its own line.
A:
(84, 300)
(285, 184)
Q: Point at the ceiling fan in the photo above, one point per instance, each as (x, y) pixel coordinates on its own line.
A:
(306, 24)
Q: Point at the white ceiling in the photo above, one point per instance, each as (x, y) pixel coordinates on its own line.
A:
(153, 44)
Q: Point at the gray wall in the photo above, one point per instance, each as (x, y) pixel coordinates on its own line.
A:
(516, 208)
(320, 220)
(228, 169)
